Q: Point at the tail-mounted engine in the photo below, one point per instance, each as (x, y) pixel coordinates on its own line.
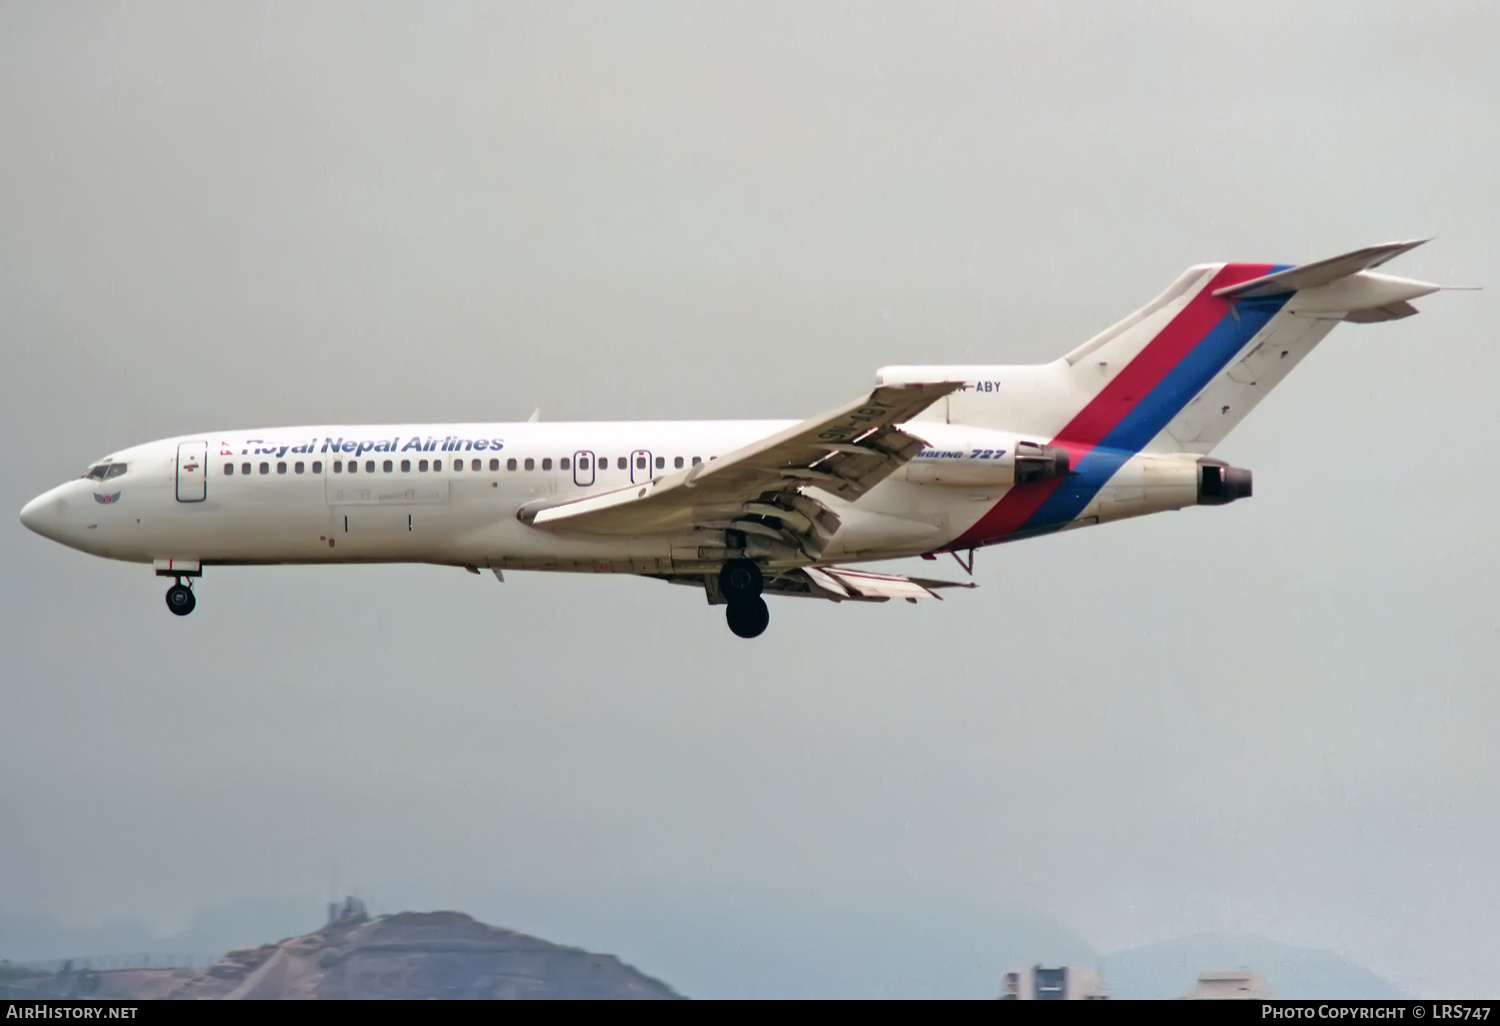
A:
(1039, 462)
(1219, 483)
(984, 459)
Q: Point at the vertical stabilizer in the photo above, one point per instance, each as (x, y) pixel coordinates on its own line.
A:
(1176, 376)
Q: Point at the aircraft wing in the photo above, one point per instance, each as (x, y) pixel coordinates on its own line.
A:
(842, 584)
(758, 489)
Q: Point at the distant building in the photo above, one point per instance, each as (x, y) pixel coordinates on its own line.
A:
(1063, 983)
(1232, 984)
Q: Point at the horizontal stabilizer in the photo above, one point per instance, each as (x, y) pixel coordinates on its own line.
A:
(1375, 314)
(1321, 272)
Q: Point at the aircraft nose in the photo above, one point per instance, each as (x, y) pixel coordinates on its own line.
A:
(43, 514)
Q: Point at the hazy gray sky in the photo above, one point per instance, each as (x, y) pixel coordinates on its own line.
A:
(1276, 717)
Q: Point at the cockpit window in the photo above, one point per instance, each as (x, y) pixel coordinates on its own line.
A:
(116, 469)
(97, 473)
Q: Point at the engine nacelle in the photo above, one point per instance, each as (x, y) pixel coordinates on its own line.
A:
(1040, 462)
(1157, 482)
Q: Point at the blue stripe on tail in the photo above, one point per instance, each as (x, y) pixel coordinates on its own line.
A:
(1155, 411)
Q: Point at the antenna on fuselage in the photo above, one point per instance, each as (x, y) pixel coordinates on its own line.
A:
(536, 415)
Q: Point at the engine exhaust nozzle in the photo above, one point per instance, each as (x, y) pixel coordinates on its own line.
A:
(1219, 483)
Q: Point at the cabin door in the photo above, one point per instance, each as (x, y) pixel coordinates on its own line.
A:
(192, 471)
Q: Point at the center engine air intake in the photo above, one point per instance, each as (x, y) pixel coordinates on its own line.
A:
(1219, 483)
(1039, 462)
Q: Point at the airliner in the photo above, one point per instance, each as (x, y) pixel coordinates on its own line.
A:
(935, 460)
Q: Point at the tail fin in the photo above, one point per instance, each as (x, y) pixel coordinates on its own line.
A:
(1175, 376)
(1181, 373)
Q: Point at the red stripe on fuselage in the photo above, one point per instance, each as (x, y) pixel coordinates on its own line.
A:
(1104, 412)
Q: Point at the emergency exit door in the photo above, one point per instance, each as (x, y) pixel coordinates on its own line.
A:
(192, 471)
(583, 469)
(640, 466)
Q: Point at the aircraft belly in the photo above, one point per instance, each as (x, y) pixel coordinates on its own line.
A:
(512, 545)
(484, 532)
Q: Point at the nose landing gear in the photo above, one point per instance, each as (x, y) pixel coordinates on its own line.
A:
(740, 582)
(180, 599)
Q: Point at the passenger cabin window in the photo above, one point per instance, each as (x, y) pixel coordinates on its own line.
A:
(228, 469)
(510, 464)
(422, 466)
(622, 463)
(458, 464)
(476, 465)
(317, 466)
(494, 464)
(530, 463)
(437, 464)
(562, 464)
(677, 463)
(697, 460)
(387, 466)
(244, 468)
(369, 466)
(406, 466)
(299, 467)
(661, 463)
(583, 463)
(640, 463)
(281, 468)
(338, 466)
(547, 463)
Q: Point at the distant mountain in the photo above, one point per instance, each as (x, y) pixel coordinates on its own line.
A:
(408, 956)
(736, 945)
(1170, 969)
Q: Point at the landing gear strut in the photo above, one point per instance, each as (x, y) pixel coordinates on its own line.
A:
(180, 599)
(740, 582)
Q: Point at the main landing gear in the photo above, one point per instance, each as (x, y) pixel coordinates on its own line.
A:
(740, 582)
(180, 599)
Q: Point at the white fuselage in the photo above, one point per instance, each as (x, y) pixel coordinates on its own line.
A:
(933, 459)
(450, 494)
